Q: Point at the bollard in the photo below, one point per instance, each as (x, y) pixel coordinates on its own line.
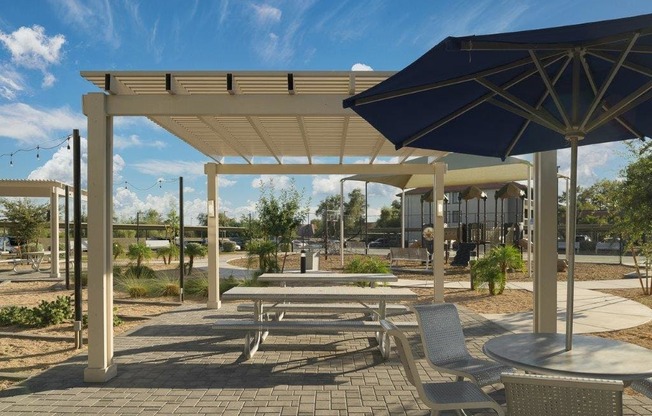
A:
(303, 261)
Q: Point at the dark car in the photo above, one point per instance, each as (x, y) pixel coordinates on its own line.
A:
(380, 242)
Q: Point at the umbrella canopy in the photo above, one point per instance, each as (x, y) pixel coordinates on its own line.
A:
(523, 92)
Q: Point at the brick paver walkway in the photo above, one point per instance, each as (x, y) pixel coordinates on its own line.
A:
(177, 364)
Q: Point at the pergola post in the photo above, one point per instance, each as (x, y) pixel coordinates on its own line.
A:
(100, 236)
(438, 220)
(545, 245)
(54, 233)
(212, 194)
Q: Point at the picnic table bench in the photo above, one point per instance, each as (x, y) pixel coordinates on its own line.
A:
(326, 277)
(257, 329)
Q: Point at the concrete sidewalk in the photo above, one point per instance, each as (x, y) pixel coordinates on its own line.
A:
(595, 311)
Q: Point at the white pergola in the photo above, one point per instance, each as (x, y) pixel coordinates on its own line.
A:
(33, 188)
(246, 123)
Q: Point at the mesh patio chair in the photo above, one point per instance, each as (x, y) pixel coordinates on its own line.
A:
(537, 395)
(445, 347)
(452, 395)
(643, 386)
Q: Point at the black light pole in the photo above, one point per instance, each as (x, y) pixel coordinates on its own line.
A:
(78, 246)
(366, 219)
(67, 237)
(181, 250)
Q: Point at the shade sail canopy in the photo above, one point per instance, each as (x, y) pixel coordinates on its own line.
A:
(518, 90)
(510, 190)
(462, 170)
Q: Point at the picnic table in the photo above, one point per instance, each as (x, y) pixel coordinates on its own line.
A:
(33, 259)
(326, 277)
(257, 328)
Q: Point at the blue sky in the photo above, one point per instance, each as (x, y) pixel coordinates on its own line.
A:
(45, 44)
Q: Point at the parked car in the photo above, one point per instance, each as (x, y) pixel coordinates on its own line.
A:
(379, 243)
(226, 240)
(609, 244)
(298, 244)
(9, 244)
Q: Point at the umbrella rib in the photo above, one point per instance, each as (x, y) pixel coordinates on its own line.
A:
(550, 87)
(632, 100)
(474, 104)
(526, 123)
(626, 64)
(526, 115)
(605, 107)
(543, 117)
(612, 74)
(440, 84)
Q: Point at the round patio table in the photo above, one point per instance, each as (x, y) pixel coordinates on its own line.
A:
(591, 356)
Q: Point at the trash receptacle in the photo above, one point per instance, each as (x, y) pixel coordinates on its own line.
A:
(312, 260)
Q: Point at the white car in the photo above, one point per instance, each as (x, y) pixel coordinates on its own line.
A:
(298, 244)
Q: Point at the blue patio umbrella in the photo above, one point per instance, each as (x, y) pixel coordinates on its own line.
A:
(522, 92)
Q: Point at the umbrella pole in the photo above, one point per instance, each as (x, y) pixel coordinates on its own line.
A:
(572, 198)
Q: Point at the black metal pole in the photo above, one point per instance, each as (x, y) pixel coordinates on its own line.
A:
(303, 260)
(67, 236)
(78, 243)
(181, 242)
(366, 219)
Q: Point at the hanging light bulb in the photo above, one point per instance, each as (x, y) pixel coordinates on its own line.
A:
(159, 183)
(68, 139)
(38, 156)
(125, 184)
(11, 159)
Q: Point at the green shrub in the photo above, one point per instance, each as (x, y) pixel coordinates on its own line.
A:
(135, 287)
(197, 285)
(46, 313)
(366, 265)
(228, 283)
(166, 286)
(139, 272)
(228, 246)
(265, 251)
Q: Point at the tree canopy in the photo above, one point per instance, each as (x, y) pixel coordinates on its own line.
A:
(280, 212)
(26, 219)
(390, 216)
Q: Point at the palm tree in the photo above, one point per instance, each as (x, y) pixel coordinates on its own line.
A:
(139, 252)
(167, 253)
(193, 250)
(492, 269)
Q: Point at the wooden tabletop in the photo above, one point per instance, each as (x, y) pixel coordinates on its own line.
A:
(591, 356)
(320, 294)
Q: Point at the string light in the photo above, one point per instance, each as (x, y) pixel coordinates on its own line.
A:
(38, 148)
(158, 182)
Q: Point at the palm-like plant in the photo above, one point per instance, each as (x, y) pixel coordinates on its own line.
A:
(139, 252)
(492, 269)
(117, 250)
(193, 250)
(167, 253)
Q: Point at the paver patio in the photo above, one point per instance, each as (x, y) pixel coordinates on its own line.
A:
(178, 364)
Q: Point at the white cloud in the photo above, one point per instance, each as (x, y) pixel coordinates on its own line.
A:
(30, 124)
(325, 185)
(94, 17)
(590, 160)
(361, 67)
(279, 181)
(48, 80)
(266, 14)
(121, 142)
(126, 203)
(31, 48)
(59, 166)
(11, 82)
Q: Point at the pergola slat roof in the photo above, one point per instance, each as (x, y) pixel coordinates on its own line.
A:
(267, 115)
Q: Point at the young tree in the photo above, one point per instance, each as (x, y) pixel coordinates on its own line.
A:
(172, 225)
(390, 216)
(193, 250)
(281, 214)
(26, 219)
(354, 213)
(633, 206)
(325, 213)
(139, 252)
